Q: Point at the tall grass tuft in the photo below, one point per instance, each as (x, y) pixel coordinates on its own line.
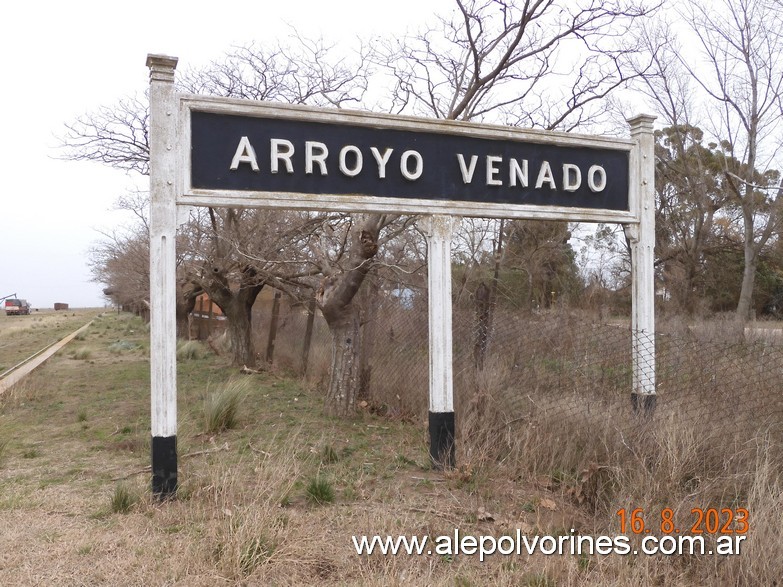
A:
(123, 499)
(191, 350)
(255, 552)
(221, 407)
(320, 491)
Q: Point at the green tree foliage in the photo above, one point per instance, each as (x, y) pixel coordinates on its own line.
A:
(540, 262)
(691, 197)
(699, 230)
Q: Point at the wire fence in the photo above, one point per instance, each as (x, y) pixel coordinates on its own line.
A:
(532, 366)
(559, 379)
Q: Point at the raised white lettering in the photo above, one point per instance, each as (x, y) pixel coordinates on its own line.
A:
(357, 168)
(315, 152)
(418, 168)
(280, 150)
(596, 178)
(467, 172)
(517, 173)
(381, 160)
(245, 153)
(545, 176)
(571, 171)
(492, 169)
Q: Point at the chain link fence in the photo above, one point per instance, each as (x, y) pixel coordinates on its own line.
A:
(551, 389)
(535, 365)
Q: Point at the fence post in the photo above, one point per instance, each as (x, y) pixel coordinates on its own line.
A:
(163, 294)
(270, 342)
(308, 336)
(438, 230)
(642, 241)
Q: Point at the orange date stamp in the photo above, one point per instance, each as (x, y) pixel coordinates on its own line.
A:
(700, 521)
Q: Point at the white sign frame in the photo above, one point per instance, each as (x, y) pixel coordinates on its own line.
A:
(170, 187)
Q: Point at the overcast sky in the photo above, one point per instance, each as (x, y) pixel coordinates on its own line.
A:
(63, 59)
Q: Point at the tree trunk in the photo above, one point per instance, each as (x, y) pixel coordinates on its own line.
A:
(335, 297)
(237, 306)
(369, 321)
(240, 332)
(185, 304)
(345, 328)
(748, 281)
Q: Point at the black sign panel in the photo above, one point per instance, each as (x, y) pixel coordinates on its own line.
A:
(249, 153)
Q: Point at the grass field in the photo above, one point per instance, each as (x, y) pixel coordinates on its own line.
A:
(273, 497)
(21, 336)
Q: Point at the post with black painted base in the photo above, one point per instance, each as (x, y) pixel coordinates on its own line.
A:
(164, 466)
(442, 440)
(438, 229)
(163, 263)
(644, 404)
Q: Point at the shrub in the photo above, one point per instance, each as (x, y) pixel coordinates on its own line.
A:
(122, 346)
(82, 354)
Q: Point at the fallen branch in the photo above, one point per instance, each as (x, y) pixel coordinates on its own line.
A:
(148, 468)
(206, 451)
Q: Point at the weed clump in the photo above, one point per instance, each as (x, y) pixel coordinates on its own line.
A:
(123, 499)
(221, 407)
(320, 491)
(191, 350)
(82, 354)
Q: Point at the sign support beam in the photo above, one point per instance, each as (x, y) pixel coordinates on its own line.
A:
(438, 230)
(163, 293)
(641, 237)
(560, 166)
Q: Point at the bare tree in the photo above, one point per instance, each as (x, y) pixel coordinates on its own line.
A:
(115, 135)
(229, 243)
(545, 63)
(121, 261)
(741, 77)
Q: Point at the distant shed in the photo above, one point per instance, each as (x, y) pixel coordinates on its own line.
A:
(60, 306)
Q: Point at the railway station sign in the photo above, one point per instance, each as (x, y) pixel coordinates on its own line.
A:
(306, 158)
(207, 151)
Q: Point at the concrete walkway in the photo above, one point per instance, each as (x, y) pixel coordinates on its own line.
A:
(29, 364)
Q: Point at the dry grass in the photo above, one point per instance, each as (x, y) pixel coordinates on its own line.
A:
(551, 410)
(222, 406)
(246, 514)
(21, 336)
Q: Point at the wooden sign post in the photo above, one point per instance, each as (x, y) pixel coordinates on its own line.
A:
(238, 153)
